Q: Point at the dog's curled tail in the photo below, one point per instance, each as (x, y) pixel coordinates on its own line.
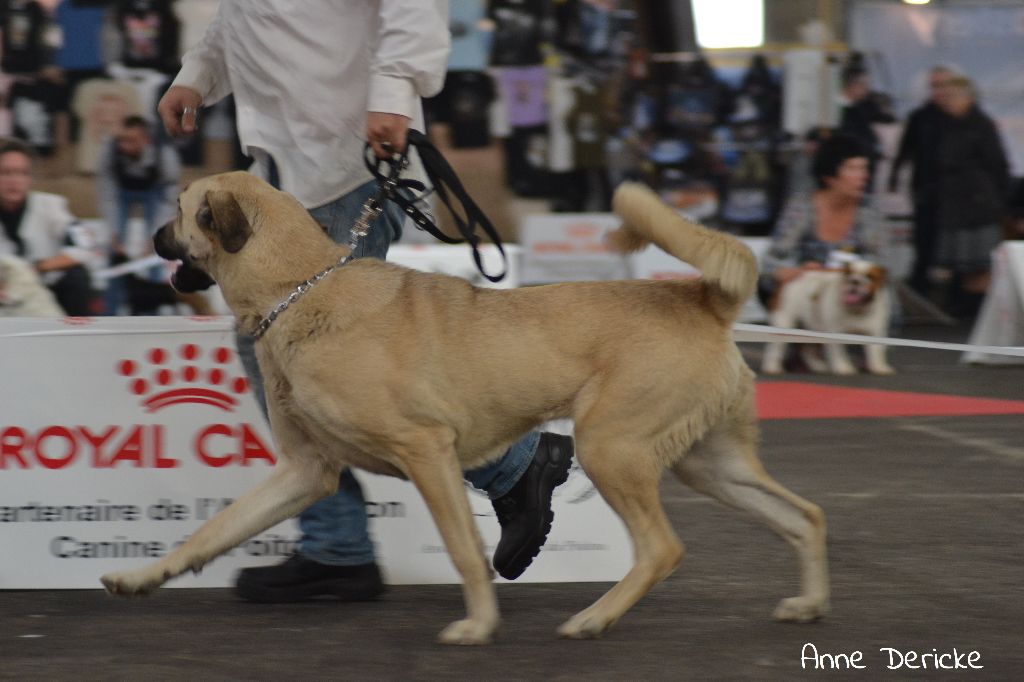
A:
(725, 262)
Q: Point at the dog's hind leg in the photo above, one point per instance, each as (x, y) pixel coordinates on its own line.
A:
(628, 481)
(291, 487)
(724, 465)
(432, 465)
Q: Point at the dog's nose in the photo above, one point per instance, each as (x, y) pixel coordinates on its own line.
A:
(164, 245)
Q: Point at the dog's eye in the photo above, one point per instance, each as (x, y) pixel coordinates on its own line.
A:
(204, 218)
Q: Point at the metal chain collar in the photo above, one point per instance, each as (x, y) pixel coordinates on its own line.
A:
(372, 208)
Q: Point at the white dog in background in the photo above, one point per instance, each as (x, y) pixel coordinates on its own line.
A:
(853, 300)
(22, 294)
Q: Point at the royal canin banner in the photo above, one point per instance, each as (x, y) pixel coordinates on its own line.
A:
(120, 436)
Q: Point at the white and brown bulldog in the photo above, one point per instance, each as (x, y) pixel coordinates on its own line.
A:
(853, 299)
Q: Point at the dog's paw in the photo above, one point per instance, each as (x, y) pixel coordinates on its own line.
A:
(585, 625)
(132, 583)
(771, 369)
(467, 632)
(881, 370)
(814, 362)
(844, 370)
(800, 610)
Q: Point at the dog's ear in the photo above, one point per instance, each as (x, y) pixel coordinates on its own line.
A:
(221, 214)
(877, 274)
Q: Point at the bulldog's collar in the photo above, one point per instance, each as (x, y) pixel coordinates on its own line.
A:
(265, 322)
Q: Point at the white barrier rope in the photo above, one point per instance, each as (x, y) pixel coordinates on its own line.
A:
(754, 333)
(764, 333)
(137, 265)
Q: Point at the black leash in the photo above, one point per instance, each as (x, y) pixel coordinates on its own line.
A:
(449, 189)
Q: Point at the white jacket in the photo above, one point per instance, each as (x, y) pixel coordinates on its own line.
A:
(45, 232)
(304, 74)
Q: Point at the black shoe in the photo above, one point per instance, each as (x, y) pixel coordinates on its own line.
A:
(299, 578)
(525, 511)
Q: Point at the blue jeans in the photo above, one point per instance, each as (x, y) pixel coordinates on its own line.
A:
(334, 529)
(127, 199)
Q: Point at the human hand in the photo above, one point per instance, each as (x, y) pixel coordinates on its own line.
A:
(178, 108)
(384, 129)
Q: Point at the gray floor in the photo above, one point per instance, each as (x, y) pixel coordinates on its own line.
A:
(926, 528)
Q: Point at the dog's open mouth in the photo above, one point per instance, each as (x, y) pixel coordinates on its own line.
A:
(855, 298)
(187, 278)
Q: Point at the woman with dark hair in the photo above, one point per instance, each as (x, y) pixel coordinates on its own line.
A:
(833, 217)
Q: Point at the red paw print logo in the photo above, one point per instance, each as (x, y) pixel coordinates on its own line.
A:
(167, 378)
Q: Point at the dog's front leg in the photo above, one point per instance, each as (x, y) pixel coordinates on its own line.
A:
(775, 351)
(874, 357)
(438, 478)
(290, 488)
(838, 360)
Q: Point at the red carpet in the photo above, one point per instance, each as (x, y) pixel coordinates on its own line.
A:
(796, 400)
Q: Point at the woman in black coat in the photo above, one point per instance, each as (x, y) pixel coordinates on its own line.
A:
(972, 178)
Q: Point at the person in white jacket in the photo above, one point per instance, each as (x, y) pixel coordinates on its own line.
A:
(313, 81)
(37, 227)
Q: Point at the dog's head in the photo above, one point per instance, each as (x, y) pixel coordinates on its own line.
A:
(215, 220)
(862, 280)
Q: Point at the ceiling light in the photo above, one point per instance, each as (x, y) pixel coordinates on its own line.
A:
(729, 23)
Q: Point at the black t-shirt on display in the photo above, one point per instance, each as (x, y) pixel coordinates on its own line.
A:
(518, 32)
(149, 32)
(23, 24)
(469, 94)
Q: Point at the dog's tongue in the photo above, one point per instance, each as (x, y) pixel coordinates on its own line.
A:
(187, 279)
(174, 273)
(852, 299)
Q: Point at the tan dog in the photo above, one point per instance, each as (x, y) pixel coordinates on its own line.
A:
(422, 375)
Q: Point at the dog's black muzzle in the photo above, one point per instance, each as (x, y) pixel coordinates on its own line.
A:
(187, 278)
(165, 246)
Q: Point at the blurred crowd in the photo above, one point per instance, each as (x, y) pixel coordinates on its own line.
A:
(101, 66)
(964, 200)
(962, 193)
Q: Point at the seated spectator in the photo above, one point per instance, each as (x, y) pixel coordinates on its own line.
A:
(37, 228)
(833, 217)
(135, 173)
(22, 293)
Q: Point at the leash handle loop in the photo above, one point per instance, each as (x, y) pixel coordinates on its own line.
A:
(449, 190)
